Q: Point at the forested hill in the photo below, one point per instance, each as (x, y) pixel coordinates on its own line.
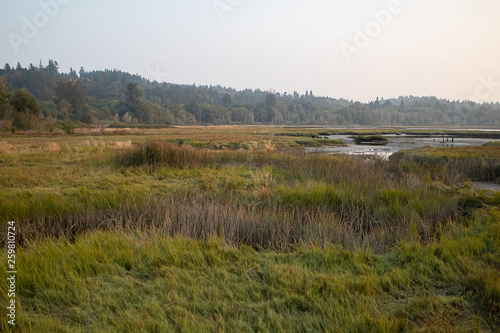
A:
(113, 96)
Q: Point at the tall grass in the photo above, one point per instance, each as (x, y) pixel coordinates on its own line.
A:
(201, 217)
(426, 251)
(142, 281)
(266, 199)
(457, 164)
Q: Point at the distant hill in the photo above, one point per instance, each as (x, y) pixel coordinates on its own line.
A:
(113, 96)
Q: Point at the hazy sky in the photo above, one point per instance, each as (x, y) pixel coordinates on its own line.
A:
(352, 49)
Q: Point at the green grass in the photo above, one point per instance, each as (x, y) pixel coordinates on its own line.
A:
(319, 142)
(478, 163)
(143, 281)
(265, 199)
(227, 229)
(314, 135)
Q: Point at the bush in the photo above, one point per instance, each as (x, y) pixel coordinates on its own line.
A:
(68, 126)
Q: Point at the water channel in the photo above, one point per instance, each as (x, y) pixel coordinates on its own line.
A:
(402, 142)
(395, 144)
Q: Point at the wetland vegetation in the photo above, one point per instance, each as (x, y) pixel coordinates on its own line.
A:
(239, 229)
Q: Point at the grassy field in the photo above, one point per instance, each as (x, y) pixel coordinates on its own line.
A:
(238, 229)
(478, 163)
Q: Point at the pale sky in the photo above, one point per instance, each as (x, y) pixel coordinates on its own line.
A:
(351, 49)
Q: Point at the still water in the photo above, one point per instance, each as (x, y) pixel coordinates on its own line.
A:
(396, 143)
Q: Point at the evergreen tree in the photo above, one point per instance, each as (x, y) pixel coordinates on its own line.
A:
(133, 96)
(70, 97)
(402, 106)
(271, 100)
(226, 100)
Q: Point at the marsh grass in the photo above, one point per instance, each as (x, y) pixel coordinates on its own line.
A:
(266, 199)
(492, 144)
(319, 142)
(269, 200)
(278, 228)
(142, 235)
(139, 280)
(457, 164)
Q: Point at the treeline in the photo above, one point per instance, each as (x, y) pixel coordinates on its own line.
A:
(38, 95)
